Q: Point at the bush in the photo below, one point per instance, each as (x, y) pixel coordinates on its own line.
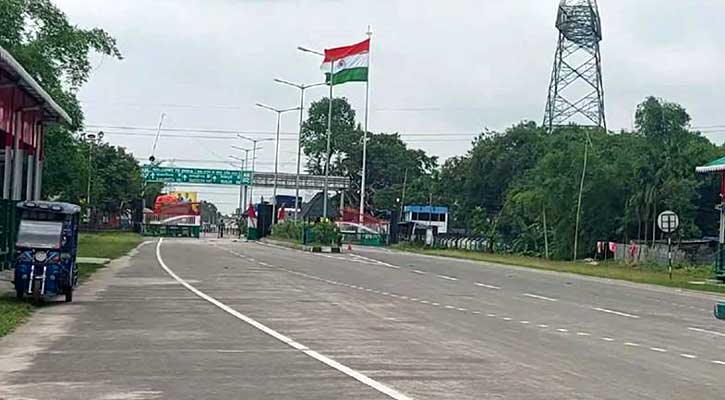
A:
(288, 231)
(323, 233)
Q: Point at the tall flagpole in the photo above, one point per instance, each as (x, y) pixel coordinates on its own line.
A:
(329, 135)
(365, 136)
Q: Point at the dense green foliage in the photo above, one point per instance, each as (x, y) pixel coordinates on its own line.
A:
(57, 54)
(389, 159)
(506, 182)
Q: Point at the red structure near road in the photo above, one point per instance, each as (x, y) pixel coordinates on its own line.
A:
(25, 110)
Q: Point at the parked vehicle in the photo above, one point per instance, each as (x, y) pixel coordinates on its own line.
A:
(46, 245)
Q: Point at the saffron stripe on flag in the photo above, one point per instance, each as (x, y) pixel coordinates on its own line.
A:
(345, 51)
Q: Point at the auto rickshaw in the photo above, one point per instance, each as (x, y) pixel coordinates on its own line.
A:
(45, 250)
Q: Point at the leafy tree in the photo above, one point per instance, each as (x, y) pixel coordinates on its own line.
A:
(57, 54)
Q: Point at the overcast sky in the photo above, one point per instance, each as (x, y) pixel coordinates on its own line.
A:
(446, 69)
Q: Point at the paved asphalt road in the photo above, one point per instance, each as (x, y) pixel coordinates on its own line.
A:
(218, 319)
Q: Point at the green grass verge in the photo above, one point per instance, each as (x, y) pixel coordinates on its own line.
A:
(107, 245)
(681, 277)
(101, 245)
(12, 313)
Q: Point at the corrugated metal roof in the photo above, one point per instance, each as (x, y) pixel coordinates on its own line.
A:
(32, 87)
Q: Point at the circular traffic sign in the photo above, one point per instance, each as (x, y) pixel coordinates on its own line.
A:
(668, 221)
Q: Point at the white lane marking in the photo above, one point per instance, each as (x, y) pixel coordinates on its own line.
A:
(706, 331)
(607, 339)
(385, 293)
(450, 307)
(476, 312)
(524, 322)
(483, 285)
(507, 318)
(425, 301)
(491, 315)
(562, 330)
(446, 277)
(436, 304)
(382, 388)
(718, 362)
(542, 326)
(536, 296)
(404, 297)
(414, 299)
(658, 349)
(621, 314)
(630, 344)
(583, 334)
(462, 309)
(690, 356)
(418, 272)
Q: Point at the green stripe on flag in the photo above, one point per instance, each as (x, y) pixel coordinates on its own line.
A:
(349, 75)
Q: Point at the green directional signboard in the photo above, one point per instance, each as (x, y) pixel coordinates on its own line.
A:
(196, 175)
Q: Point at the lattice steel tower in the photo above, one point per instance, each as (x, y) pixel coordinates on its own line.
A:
(576, 94)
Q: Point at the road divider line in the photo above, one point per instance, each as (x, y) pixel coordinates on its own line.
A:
(707, 331)
(718, 362)
(607, 339)
(630, 344)
(658, 349)
(360, 377)
(583, 334)
(690, 356)
(621, 314)
(446, 277)
(418, 272)
(536, 296)
(483, 285)
(562, 330)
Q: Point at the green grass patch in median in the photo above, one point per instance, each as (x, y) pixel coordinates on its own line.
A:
(101, 245)
(691, 277)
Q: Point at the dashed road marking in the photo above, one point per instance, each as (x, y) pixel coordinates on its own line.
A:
(475, 312)
(491, 315)
(707, 331)
(607, 339)
(630, 344)
(658, 349)
(718, 362)
(524, 322)
(448, 278)
(536, 296)
(461, 309)
(621, 314)
(484, 285)
(689, 356)
(360, 377)
(450, 307)
(562, 330)
(436, 304)
(583, 334)
(507, 318)
(418, 272)
(542, 326)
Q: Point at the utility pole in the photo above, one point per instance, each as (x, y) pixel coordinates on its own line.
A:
(254, 157)
(402, 199)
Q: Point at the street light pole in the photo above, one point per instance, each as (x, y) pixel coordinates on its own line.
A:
(329, 126)
(245, 164)
(276, 145)
(254, 157)
(91, 138)
(302, 88)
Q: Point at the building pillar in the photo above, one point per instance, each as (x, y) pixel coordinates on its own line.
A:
(38, 186)
(7, 171)
(39, 152)
(18, 158)
(30, 178)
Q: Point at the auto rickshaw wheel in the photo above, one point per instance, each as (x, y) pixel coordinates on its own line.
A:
(37, 296)
(69, 295)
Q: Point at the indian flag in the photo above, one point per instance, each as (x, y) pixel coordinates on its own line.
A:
(348, 63)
